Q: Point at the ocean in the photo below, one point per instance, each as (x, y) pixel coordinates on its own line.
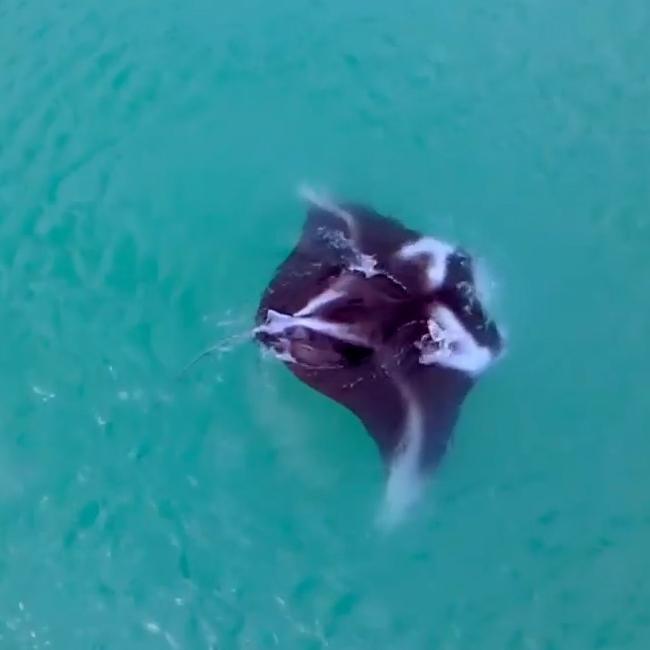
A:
(150, 155)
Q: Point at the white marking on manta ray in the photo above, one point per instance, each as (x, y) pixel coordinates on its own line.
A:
(452, 345)
(322, 299)
(277, 323)
(437, 253)
(338, 290)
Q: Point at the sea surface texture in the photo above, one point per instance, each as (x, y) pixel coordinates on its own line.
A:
(150, 153)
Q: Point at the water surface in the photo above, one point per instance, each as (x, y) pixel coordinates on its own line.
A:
(149, 156)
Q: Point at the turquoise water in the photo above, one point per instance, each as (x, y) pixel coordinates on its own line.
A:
(149, 157)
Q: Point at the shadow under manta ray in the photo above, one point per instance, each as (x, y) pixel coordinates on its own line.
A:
(385, 322)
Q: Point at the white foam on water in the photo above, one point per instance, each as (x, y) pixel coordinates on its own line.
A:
(488, 291)
(45, 395)
(485, 284)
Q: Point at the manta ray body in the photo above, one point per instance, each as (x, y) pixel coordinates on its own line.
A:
(384, 321)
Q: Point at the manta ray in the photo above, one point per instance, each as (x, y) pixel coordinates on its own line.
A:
(383, 320)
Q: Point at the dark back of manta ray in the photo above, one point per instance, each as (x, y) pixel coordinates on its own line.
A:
(365, 384)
